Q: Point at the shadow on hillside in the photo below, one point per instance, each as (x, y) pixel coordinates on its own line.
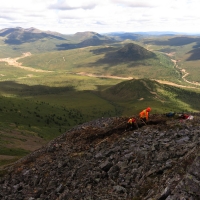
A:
(167, 50)
(195, 54)
(176, 41)
(180, 41)
(102, 50)
(66, 46)
(28, 37)
(85, 43)
(121, 55)
(109, 56)
(11, 87)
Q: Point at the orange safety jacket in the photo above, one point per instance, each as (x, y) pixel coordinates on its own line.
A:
(144, 114)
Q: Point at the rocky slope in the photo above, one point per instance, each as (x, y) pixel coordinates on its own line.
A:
(100, 160)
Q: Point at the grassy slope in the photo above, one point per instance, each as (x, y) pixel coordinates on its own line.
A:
(39, 46)
(35, 109)
(48, 126)
(27, 123)
(191, 65)
(162, 98)
(7, 51)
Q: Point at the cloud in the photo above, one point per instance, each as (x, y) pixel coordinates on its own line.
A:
(137, 3)
(72, 5)
(102, 16)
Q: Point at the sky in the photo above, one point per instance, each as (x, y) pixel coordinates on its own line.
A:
(102, 16)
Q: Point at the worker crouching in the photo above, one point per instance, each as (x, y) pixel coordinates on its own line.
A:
(144, 115)
(131, 124)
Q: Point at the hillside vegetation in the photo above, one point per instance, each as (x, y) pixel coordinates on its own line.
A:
(182, 48)
(142, 93)
(130, 60)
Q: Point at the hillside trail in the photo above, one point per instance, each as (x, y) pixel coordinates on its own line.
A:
(13, 62)
(103, 76)
(152, 92)
(129, 78)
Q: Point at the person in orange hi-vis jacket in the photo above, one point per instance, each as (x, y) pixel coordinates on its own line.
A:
(144, 115)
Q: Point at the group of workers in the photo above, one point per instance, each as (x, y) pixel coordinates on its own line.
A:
(143, 115)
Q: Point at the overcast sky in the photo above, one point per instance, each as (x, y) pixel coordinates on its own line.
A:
(71, 16)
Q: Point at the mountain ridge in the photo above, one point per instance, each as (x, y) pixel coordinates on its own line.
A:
(18, 35)
(100, 160)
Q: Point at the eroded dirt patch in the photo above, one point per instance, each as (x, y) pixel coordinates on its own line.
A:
(15, 63)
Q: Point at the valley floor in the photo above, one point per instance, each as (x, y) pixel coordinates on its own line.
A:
(15, 63)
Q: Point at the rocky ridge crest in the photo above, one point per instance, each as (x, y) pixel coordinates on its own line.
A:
(100, 160)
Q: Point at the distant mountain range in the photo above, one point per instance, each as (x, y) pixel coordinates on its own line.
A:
(151, 33)
(86, 39)
(19, 36)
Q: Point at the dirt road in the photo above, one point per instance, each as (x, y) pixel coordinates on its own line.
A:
(183, 72)
(13, 62)
(129, 78)
(103, 76)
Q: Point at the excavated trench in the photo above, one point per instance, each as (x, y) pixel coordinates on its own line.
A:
(119, 130)
(109, 130)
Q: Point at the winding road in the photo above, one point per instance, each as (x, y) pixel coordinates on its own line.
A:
(13, 62)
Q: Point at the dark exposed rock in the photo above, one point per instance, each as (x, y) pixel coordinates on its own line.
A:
(100, 160)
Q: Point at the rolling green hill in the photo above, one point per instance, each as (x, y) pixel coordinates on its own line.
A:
(140, 93)
(127, 53)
